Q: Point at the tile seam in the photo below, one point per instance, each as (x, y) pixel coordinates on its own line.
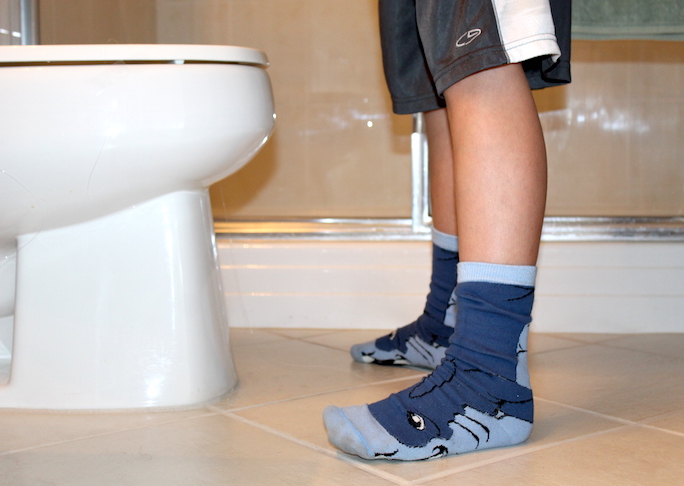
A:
(209, 413)
(332, 454)
(516, 454)
(214, 408)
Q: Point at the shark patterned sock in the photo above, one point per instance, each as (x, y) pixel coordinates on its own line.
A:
(478, 398)
(424, 341)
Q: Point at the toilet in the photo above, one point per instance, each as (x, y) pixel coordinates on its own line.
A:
(110, 293)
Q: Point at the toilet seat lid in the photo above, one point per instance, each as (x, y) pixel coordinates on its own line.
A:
(131, 52)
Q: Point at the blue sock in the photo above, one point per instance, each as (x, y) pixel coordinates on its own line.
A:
(478, 398)
(424, 341)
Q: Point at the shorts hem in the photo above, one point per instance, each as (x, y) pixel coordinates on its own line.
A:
(531, 47)
(469, 65)
(417, 104)
(512, 53)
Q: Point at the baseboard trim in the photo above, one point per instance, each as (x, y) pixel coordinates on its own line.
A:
(601, 287)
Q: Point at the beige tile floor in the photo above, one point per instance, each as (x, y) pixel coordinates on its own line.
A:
(609, 411)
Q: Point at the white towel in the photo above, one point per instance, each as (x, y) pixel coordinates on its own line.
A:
(628, 19)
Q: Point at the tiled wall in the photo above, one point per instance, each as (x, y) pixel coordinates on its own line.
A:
(337, 151)
(613, 136)
(10, 23)
(97, 22)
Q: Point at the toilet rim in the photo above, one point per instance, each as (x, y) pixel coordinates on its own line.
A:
(138, 53)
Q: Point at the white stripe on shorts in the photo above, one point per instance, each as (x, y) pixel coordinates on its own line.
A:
(526, 29)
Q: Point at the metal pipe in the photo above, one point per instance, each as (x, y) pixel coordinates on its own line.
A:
(30, 28)
(420, 204)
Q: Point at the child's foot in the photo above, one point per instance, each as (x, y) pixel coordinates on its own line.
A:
(432, 420)
(478, 398)
(424, 341)
(421, 343)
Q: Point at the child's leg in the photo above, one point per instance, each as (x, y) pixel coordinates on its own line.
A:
(479, 397)
(500, 166)
(424, 341)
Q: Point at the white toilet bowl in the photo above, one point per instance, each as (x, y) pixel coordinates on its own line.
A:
(106, 153)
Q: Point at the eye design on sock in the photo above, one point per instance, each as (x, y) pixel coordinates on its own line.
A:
(410, 418)
(416, 421)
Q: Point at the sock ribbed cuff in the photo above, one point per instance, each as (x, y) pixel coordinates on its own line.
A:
(444, 240)
(522, 275)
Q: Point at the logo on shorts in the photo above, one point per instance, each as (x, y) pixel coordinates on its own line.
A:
(468, 37)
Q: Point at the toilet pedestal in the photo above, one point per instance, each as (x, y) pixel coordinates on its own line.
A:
(122, 312)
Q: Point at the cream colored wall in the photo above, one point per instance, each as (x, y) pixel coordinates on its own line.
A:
(614, 136)
(336, 151)
(97, 21)
(10, 22)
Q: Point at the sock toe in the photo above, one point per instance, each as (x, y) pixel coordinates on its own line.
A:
(361, 352)
(355, 431)
(343, 434)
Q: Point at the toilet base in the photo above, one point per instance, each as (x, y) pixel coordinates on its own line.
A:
(122, 312)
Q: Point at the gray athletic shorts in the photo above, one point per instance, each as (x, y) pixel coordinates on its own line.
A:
(428, 45)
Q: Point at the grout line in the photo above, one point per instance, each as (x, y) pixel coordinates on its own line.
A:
(323, 266)
(209, 413)
(662, 416)
(332, 454)
(302, 397)
(308, 293)
(513, 455)
(612, 342)
(625, 424)
(315, 333)
(641, 424)
(645, 351)
(570, 336)
(585, 410)
(659, 429)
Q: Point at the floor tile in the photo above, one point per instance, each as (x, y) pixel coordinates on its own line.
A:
(629, 455)
(302, 419)
(22, 430)
(212, 450)
(543, 342)
(344, 340)
(666, 344)
(290, 369)
(583, 337)
(250, 336)
(302, 334)
(632, 385)
(609, 410)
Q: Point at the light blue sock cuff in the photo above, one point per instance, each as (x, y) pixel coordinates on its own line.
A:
(444, 240)
(522, 275)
